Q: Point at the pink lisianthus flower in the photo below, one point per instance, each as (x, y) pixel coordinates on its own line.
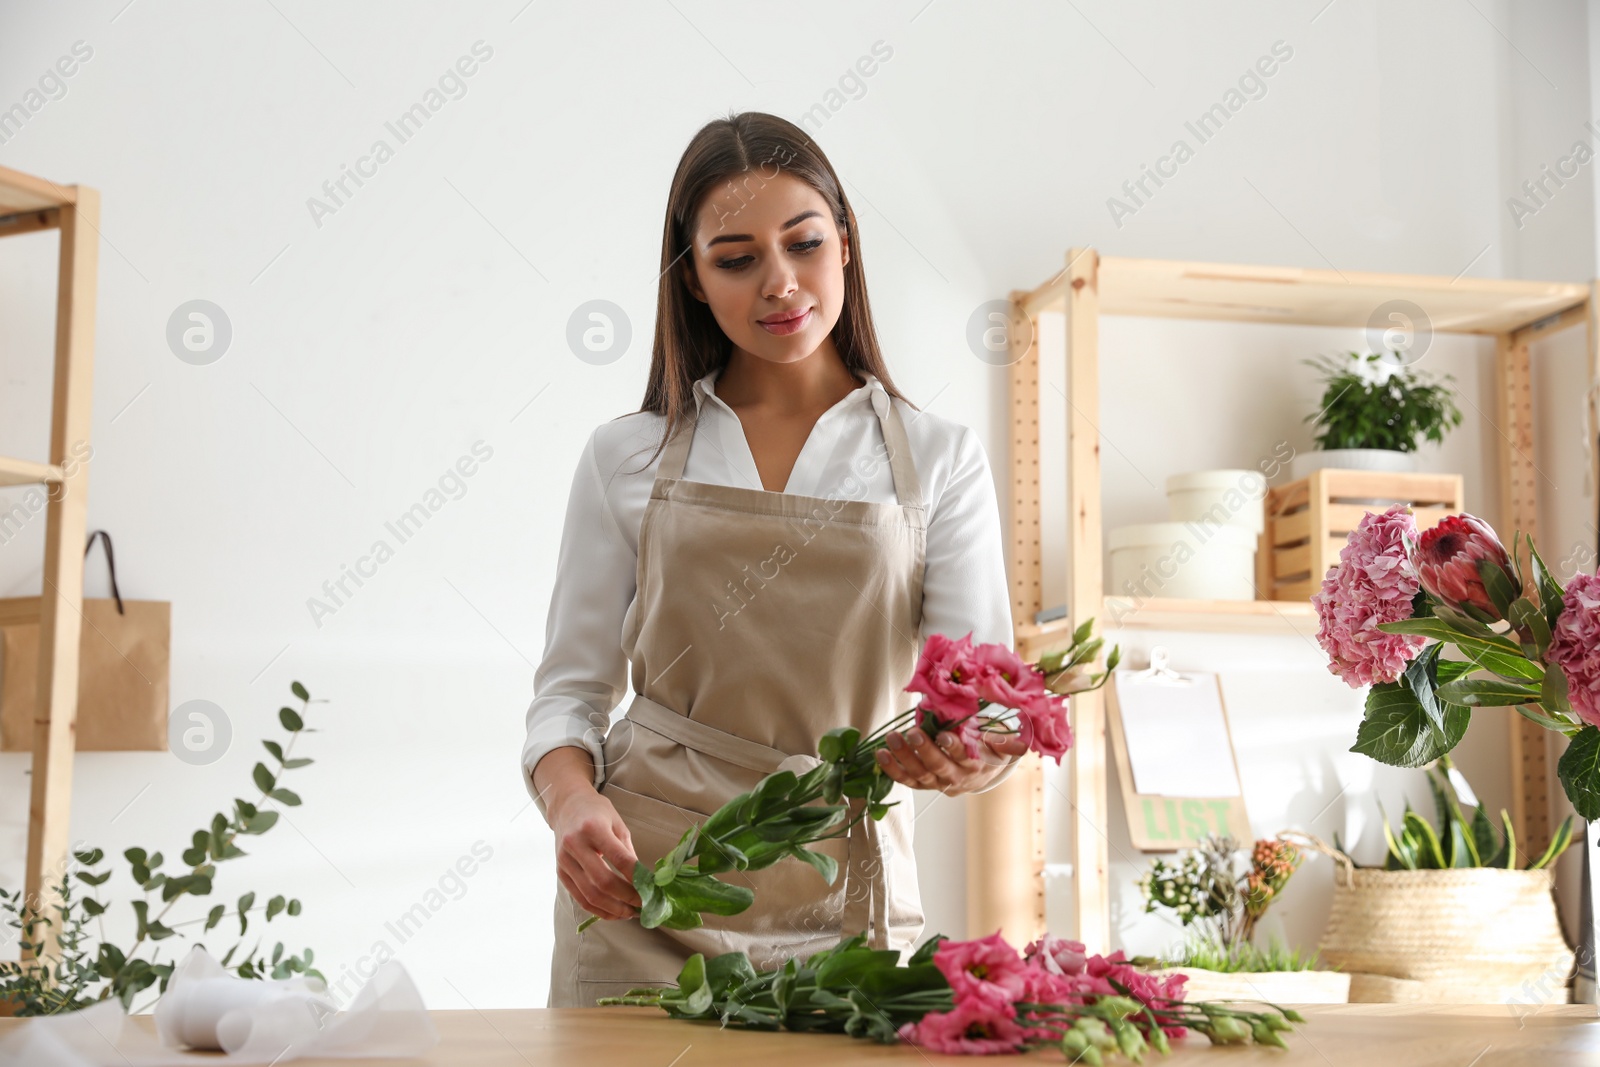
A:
(1373, 583)
(1056, 955)
(1575, 646)
(1150, 990)
(1446, 560)
(971, 1028)
(947, 676)
(1005, 678)
(986, 970)
(1045, 725)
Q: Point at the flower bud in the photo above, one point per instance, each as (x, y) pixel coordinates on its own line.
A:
(1227, 1030)
(1446, 560)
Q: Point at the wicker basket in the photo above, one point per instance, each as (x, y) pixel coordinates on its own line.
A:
(1465, 935)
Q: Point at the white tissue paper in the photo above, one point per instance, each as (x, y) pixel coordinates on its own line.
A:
(206, 1010)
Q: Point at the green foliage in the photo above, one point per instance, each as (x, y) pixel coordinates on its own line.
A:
(73, 974)
(1459, 841)
(1371, 401)
(1207, 953)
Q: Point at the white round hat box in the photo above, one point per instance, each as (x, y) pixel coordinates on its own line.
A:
(1191, 560)
(1218, 496)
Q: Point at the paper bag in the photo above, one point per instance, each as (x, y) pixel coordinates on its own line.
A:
(124, 653)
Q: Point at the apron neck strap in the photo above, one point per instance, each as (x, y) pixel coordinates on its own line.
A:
(907, 486)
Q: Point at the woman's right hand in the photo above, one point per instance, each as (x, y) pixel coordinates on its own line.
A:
(594, 851)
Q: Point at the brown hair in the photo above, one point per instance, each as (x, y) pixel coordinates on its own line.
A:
(689, 343)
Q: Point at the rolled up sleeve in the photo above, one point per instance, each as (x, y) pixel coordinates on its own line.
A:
(583, 673)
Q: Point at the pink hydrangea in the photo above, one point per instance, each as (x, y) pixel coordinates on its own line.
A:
(1575, 646)
(1373, 582)
(971, 1028)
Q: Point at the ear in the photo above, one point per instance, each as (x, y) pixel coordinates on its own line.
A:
(844, 246)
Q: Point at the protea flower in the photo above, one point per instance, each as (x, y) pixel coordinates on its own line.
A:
(1446, 560)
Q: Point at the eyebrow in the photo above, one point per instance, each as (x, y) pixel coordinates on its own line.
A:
(746, 237)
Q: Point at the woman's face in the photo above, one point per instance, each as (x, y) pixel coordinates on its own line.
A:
(769, 262)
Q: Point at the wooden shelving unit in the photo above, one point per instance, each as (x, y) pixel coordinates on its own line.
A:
(1005, 825)
(29, 204)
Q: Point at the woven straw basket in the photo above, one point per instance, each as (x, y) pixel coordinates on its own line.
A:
(1464, 935)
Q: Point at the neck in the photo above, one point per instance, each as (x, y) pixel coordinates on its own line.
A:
(818, 381)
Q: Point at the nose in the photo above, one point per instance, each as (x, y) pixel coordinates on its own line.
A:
(779, 281)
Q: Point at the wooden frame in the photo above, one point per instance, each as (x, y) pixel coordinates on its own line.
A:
(29, 204)
(1005, 825)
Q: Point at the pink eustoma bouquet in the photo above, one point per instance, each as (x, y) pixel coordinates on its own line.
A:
(1398, 597)
(965, 998)
(970, 690)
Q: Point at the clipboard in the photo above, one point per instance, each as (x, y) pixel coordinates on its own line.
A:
(1175, 759)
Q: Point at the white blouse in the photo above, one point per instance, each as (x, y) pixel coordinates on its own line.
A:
(583, 674)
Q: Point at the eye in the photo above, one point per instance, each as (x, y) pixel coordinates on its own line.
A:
(804, 248)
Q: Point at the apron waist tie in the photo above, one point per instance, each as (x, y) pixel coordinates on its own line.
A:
(866, 887)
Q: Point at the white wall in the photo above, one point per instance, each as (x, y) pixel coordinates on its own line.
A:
(429, 312)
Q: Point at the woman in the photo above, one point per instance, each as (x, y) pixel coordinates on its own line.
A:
(771, 572)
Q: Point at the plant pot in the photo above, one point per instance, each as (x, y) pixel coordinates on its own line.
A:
(1218, 496)
(1182, 559)
(1356, 459)
(1465, 935)
(1278, 987)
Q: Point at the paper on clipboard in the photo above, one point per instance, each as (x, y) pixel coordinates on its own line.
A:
(1177, 738)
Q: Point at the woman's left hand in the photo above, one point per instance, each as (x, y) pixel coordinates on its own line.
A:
(942, 764)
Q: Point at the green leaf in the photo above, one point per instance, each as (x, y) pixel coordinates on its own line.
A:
(1553, 691)
(299, 690)
(822, 863)
(1497, 583)
(89, 858)
(1400, 729)
(1442, 631)
(263, 778)
(1551, 595)
(245, 903)
(1430, 840)
(274, 748)
(291, 720)
(706, 894)
(135, 856)
(1487, 693)
(1507, 856)
(215, 915)
(90, 878)
(1485, 839)
(93, 906)
(1579, 771)
(285, 796)
(1525, 614)
(274, 906)
(298, 761)
(1558, 845)
(293, 908)
(260, 822)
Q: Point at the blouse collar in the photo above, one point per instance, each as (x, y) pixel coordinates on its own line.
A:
(873, 391)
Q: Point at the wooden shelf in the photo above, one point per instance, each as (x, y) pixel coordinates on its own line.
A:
(27, 472)
(21, 193)
(1173, 613)
(1175, 289)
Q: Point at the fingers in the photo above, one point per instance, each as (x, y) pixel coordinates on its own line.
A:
(1006, 744)
(596, 862)
(916, 761)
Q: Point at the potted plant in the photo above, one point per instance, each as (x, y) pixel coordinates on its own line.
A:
(1414, 928)
(1375, 410)
(1220, 891)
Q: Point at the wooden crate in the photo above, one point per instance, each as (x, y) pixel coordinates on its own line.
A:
(1308, 521)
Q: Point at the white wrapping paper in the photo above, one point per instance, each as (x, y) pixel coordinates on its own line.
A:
(206, 1010)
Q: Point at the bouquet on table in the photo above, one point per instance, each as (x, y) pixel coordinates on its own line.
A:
(973, 690)
(963, 997)
(1397, 598)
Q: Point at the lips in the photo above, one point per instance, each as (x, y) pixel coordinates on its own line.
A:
(787, 322)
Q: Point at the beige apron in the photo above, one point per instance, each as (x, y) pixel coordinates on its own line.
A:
(761, 621)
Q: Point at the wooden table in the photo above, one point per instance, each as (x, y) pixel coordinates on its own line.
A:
(1365, 1035)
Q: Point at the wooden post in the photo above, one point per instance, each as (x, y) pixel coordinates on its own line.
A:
(1086, 599)
(1005, 826)
(61, 605)
(1519, 510)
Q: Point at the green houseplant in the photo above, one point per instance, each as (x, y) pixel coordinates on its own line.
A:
(1374, 412)
(83, 966)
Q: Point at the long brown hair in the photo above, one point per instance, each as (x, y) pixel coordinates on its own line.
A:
(689, 344)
